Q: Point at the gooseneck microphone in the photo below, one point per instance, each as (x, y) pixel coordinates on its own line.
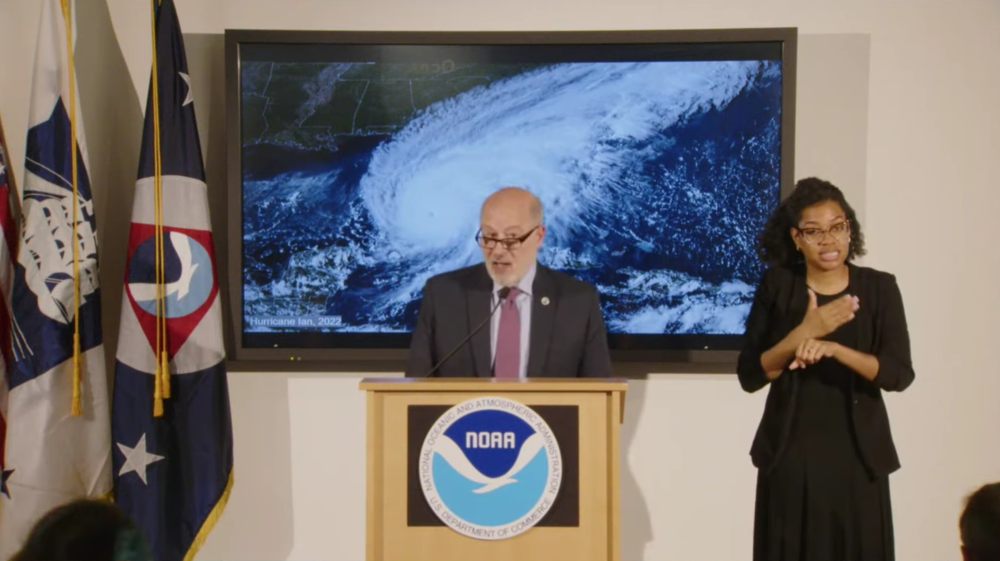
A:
(502, 293)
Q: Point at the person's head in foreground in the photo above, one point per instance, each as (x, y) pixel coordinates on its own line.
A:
(84, 530)
(980, 525)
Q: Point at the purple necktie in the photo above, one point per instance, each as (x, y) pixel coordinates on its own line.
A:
(508, 359)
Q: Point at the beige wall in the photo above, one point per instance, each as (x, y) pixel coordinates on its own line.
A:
(898, 103)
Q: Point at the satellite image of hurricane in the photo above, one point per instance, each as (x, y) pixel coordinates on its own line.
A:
(363, 180)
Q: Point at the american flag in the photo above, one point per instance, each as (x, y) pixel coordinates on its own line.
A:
(8, 243)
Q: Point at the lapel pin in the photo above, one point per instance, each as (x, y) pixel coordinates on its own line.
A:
(545, 300)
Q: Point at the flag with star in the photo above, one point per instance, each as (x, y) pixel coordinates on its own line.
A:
(171, 426)
(58, 445)
(8, 242)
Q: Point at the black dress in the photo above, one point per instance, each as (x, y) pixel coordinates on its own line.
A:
(820, 502)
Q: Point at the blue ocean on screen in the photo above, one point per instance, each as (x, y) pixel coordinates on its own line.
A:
(361, 181)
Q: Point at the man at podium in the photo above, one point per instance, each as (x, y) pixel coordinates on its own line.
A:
(540, 322)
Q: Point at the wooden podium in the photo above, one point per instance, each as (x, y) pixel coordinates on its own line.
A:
(583, 522)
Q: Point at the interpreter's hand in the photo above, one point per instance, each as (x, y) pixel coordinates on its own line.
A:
(821, 321)
(811, 351)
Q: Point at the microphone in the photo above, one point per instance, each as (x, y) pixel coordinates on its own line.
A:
(502, 293)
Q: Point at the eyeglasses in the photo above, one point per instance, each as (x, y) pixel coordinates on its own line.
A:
(840, 232)
(510, 244)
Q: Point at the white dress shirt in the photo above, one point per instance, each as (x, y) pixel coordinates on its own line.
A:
(523, 303)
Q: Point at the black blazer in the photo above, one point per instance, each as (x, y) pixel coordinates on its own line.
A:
(779, 306)
(568, 335)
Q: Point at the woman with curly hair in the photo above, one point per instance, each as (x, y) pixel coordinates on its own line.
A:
(828, 337)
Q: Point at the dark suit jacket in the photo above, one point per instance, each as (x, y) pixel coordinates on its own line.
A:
(568, 336)
(779, 306)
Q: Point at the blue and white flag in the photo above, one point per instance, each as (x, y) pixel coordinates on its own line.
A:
(58, 433)
(173, 456)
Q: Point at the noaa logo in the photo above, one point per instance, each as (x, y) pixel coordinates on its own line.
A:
(189, 279)
(490, 468)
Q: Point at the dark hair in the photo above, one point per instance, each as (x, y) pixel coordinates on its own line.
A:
(776, 246)
(83, 530)
(980, 524)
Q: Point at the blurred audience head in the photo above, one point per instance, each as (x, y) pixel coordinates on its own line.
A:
(980, 525)
(84, 530)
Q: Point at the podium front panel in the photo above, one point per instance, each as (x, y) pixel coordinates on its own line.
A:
(581, 525)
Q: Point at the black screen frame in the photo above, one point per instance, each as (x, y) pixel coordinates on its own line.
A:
(387, 352)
